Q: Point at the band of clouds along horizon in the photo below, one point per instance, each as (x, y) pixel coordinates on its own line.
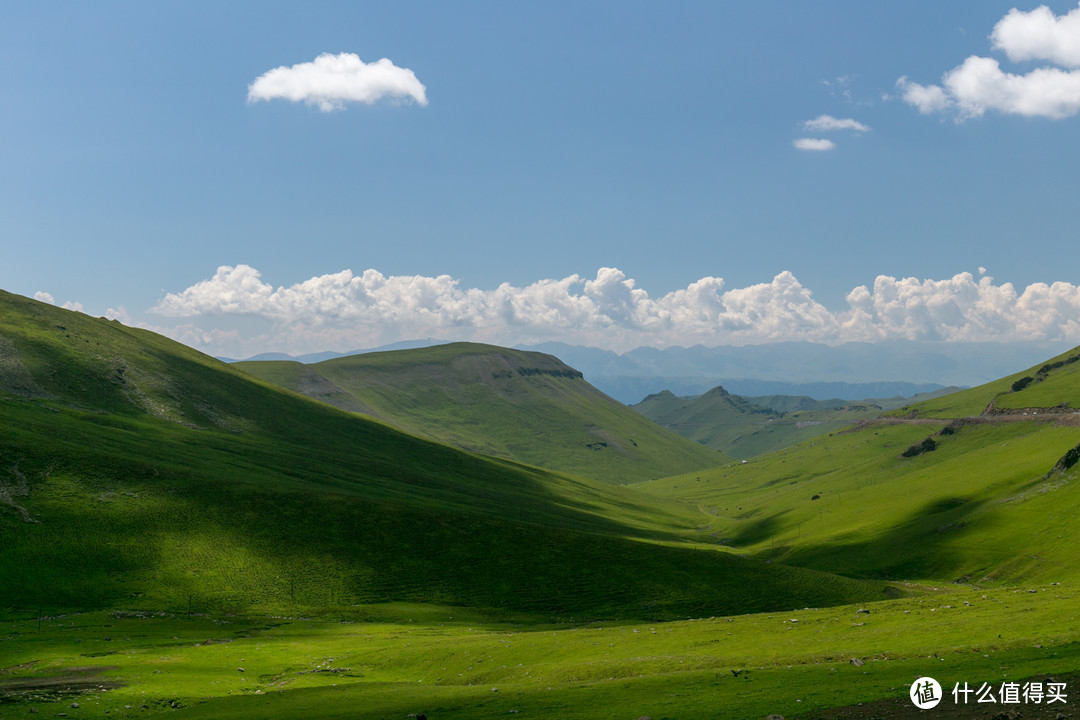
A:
(336, 309)
(344, 309)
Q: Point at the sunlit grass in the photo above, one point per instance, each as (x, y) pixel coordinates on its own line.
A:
(391, 660)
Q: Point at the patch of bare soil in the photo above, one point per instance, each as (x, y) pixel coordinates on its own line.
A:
(15, 687)
(21, 488)
(904, 709)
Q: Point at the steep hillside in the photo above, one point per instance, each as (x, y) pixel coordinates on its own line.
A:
(137, 473)
(524, 406)
(988, 498)
(1052, 386)
(745, 427)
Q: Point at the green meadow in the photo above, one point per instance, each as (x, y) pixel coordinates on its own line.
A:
(185, 538)
(387, 661)
(985, 505)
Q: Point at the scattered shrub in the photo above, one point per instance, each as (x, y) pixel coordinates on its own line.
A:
(925, 446)
(1022, 383)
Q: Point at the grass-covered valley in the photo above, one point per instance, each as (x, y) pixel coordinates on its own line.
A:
(139, 470)
(471, 532)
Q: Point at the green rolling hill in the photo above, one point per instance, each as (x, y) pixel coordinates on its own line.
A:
(183, 539)
(138, 473)
(524, 406)
(975, 487)
(1053, 386)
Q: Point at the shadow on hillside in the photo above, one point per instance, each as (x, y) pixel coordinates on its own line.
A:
(164, 480)
(920, 546)
(174, 519)
(759, 530)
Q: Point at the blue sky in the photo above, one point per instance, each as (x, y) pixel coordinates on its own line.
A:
(621, 151)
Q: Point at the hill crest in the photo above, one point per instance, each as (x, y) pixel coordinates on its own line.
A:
(517, 404)
(307, 508)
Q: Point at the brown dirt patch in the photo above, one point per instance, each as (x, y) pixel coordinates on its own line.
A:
(15, 687)
(903, 709)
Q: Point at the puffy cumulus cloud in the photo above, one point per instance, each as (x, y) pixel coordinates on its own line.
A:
(369, 309)
(236, 290)
(46, 297)
(927, 98)
(961, 308)
(346, 311)
(1039, 35)
(330, 81)
(979, 84)
(120, 315)
(814, 144)
(782, 309)
(825, 123)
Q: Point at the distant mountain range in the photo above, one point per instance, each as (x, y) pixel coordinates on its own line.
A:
(852, 371)
(748, 426)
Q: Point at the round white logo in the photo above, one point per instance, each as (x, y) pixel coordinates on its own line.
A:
(925, 693)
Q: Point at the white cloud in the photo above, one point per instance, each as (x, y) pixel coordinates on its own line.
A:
(927, 98)
(1039, 35)
(46, 297)
(979, 84)
(345, 311)
(825, 123)
(962, 308)
(330, 81)
(119, 314)
(814, 144)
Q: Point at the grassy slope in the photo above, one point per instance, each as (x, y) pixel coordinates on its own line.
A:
(519, 405)
(743, 427)
(397, 660)
(984, 506)
(1049, 389)
(128, 499)
(136, 472)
